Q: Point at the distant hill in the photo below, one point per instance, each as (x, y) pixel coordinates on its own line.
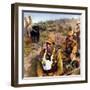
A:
(61, 25)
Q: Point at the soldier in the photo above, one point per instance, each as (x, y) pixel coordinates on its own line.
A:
(51, 60)
(27, 29)
(69, 42)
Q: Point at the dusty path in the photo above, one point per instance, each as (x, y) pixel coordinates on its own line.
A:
(30, 61)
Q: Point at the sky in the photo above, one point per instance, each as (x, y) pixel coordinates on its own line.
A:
(38, 17)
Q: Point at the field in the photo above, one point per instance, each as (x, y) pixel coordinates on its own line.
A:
(55, 29)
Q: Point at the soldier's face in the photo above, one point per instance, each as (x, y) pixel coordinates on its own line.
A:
(71, 38)
(49, 47)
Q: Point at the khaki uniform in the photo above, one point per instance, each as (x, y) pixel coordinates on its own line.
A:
(58, 63)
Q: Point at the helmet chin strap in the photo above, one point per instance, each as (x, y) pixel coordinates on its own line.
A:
(45, 53)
